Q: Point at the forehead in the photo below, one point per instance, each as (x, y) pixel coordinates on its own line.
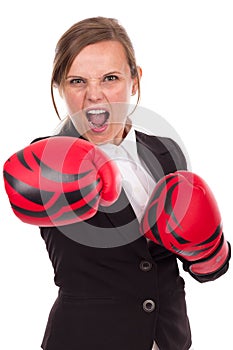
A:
(99, 58)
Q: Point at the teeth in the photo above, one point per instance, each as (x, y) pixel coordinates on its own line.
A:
(96, 111)
(97, 117)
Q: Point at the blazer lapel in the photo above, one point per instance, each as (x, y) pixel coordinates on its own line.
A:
(161, 155)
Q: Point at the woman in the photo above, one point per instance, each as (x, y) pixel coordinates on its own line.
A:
(117, 290)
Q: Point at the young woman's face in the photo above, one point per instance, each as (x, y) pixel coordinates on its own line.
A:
(97, 91)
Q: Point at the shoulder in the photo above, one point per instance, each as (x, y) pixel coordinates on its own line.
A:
(39, 139)
(159, 143)
(66, 128)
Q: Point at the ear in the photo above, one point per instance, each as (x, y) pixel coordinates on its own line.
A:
(58, 89)
(136, 80)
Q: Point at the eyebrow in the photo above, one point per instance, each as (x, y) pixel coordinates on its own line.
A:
(104, 75)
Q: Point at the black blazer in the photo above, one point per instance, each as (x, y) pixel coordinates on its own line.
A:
(116, 290)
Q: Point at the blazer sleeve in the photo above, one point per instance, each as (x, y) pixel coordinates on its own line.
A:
(210, 277)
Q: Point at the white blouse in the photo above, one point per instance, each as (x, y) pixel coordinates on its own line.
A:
(136, 178)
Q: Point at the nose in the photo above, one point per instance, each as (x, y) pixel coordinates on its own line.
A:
(94, 92)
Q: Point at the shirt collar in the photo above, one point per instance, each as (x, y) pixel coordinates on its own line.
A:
(129, 144)
(127, 147)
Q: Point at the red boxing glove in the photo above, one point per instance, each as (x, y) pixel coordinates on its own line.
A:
(182, 215)
(60, 180)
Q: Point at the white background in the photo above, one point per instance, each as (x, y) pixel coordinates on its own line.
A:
(186, 53)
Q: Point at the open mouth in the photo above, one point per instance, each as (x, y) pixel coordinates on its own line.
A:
(97, 118)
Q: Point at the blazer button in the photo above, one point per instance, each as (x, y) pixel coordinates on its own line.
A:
(145, 265)
(148, 305)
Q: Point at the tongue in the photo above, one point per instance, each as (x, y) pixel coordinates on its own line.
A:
(97, 119)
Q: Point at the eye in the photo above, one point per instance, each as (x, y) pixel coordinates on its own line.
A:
(76, 81)
(111, 78)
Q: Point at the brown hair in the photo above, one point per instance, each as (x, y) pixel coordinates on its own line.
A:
(86, 32)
